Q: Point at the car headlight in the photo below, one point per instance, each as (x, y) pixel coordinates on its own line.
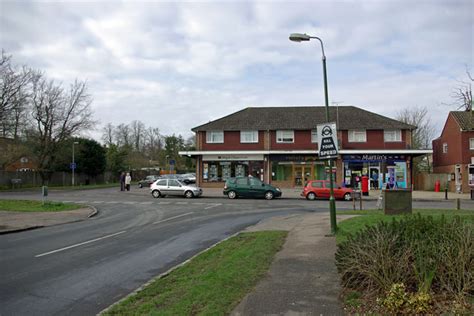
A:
(278, 189)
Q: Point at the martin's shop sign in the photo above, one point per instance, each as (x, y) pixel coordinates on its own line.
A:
(327, 140)
(374, 158)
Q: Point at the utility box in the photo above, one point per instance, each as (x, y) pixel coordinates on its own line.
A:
(397, 202)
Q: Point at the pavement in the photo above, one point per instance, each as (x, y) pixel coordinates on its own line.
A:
(19, 221)
(302, 279)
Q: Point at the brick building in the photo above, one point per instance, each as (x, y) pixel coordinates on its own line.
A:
(279, 146)
(453, 151)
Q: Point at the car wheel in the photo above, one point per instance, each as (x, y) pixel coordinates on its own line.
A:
(140, 185)
(188, 194)
(311, 196)
(269, 195)
(156, 194)
(231, 194)
(347, 197)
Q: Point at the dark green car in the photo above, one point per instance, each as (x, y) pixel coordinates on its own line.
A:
(249, 187)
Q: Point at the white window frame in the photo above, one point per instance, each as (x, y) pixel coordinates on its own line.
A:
(445, 148)
(314, 136)
(471, 143)
(248, 137)
(283, 136)
(214, 137)
(357, 136)
(392, 135)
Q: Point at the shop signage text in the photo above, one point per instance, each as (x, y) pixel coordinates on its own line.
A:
(231, 157)
(374, 157)
(298, 158)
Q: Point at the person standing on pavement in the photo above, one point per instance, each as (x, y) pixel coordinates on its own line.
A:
(128, 180)
(122, 181)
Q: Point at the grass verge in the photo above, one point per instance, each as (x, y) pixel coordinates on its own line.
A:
(372, 217)
(213, 283)
(36, 206)
(67, 187)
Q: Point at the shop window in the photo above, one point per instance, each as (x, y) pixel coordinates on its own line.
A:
(357, 136)
(249, 136)
(471, 143)
(392, 135)
(285, 136)
(281, 172)
(213, 137)
(445, 148)
(314, 136)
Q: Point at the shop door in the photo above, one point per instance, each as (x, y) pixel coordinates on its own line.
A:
(374, 173)
(301, 174)
(457, 178)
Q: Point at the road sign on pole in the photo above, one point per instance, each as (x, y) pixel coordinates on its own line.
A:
(73, 165)
(327, 141)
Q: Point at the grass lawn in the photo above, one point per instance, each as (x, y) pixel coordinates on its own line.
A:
(68, 187)
(371, 217)
(36, 206)
(213, 283)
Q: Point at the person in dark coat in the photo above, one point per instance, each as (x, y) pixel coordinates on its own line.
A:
(122, 181)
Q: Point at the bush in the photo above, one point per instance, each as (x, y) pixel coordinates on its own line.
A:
(410, 260)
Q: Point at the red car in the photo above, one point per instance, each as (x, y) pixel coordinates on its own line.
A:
(320, 189)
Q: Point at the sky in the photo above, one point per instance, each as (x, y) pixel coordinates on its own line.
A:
(179, 64)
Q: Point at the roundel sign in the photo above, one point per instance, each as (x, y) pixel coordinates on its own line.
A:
(327, 140)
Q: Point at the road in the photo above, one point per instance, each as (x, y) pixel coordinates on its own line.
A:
(81, 268)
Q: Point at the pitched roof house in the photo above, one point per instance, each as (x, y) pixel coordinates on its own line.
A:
(453, 151)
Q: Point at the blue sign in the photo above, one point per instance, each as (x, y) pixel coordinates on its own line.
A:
(172, 162)
(73, 165)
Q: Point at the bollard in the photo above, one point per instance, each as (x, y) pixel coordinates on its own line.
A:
(458, 204)
(446, 194)
(353, 201)
(360, 206)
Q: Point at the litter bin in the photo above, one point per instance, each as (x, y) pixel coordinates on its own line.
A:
(472, 194)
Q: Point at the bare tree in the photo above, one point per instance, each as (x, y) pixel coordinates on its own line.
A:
(122, 135)
(57, 115)
(138, 130)
(14, 91)
(153, 142)
(108, 132)
(463, 93)
(425, 131)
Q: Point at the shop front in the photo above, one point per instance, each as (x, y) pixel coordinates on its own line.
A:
(289, 171)
(216, 169)
(391, 170)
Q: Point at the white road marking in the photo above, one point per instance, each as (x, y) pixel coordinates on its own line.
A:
(146, 203)
(164, 203)
(215, 205)
(80, 244)
(81, 201)
(129, 203)
(182, 203)
(98, 202)
(198, 203)
(112, 202)
(171, 218)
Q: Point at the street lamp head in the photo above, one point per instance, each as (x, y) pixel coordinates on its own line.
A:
(298, 37)
(76, 143)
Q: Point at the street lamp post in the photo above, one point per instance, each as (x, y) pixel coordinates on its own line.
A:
(73, 166)
(298, 37)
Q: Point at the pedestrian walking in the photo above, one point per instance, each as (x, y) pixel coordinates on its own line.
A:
(128, 180)
(122, 181)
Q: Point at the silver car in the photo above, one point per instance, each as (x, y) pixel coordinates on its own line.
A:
(163, 187)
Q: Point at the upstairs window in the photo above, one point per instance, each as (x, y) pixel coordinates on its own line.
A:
(471, 143)
(357, 136)
(445, 148)
(285, 136)
(392, 135)
(214, 137)
(314, 136)
(249, 136)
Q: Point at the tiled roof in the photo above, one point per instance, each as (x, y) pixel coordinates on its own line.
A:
(465, 119)
(301, 118)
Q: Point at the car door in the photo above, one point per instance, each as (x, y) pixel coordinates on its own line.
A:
(325, 190)
(256, 188)
(174, 187)
(242, 187)
(162, 186)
